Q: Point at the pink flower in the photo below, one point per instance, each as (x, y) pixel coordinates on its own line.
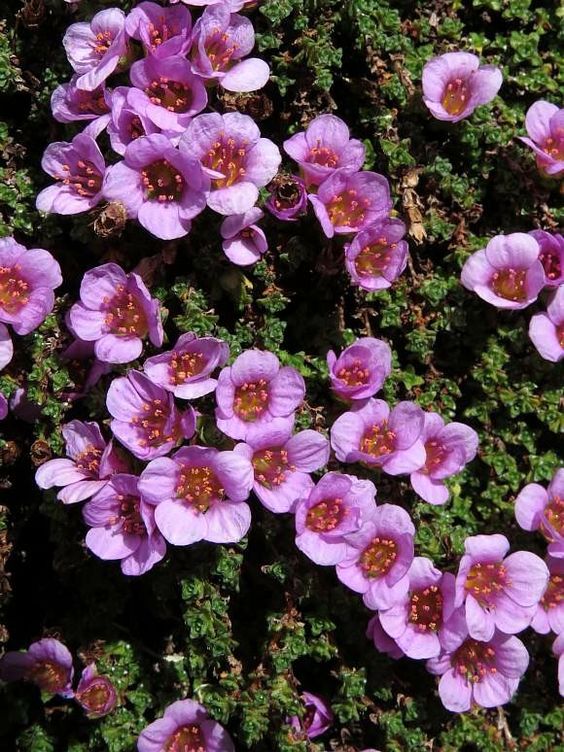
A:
(79, 169)
(379, 556)
(538, 508)
(129, 119)
(448, 448)
(199, 494)
(69, 103)
(546, 330)
(498, 591)
(90, 464)
(317, 719)
(507, 273)
(47, 664)
(418, 623)
(161, 187)
(288, 197)
(324, 147)
(361, 369)
(117, 313)
(172, 93)
(96, 49)
(243, 240)
(282, 465)
(186, 370)
(545, 127)
(551, 256)
(374, 434)
(256, 396)
(377, 255)
(145, 418)
(482, 673)
(338, 506)
(162, 31)
(123, 527)
(455, 83)
(95, 694)
(346, 203)
(185, 725)
(219, 41)
(27, 281)
(234, 156)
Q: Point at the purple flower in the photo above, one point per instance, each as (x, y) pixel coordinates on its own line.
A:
(6, 346)
(219, 41)
(485, 673)
(116, 312)
(325, 146)
(447, 448)
(185, 726)
(382, 641)
(79, 168)
(361, 369)
(129, 119)
(546, 330)
(419, 622)
(91, 462)
(318, 716)
(379, 556)
(498, 592)
(545, 127)
(185, 371)
(374, 434)
(96, 49)
(537, 508)
(288, 197)
(162, 31)
(199, 494)
(145, 418)
(256, 396)
(243, 241)
(507, 273)
(235, 157)
(69, 103)
(282, 464)
(95, 694)
(347, 203)
(338, 506)
(378, 255)
(159, 186)
(455, 83)
(123, 526)
(551, 256)
(173, 93)
(46, 663)
(550, 611)
(27, 281)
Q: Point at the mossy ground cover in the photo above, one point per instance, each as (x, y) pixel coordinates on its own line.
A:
(244, 628)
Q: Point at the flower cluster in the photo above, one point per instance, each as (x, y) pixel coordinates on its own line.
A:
(197, 492)
(511, 272)
(49, 665)
(346, 200)
(176, 159)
